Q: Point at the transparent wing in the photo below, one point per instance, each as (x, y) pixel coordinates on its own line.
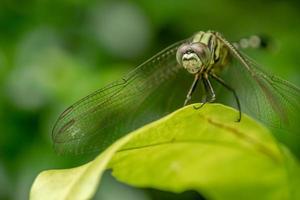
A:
(152, 90)
(272, 100)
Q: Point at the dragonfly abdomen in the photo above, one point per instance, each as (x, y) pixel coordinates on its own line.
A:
(253, 42)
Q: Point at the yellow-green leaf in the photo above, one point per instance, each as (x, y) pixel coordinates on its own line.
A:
(203, 150)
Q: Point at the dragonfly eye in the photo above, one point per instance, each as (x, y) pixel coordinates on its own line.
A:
(193, 56)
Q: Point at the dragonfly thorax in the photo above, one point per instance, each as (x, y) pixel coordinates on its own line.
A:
(193, 56)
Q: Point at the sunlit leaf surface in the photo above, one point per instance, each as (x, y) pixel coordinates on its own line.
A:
(189, 149)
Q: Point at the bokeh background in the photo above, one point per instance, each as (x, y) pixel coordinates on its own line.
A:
(53, 52)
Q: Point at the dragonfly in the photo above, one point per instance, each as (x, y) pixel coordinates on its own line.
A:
(168, 81)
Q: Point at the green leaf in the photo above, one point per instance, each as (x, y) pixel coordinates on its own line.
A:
(203, 150)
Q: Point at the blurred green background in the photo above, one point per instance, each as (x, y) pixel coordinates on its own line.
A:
(53, 52)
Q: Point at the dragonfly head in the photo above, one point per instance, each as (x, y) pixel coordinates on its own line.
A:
(193, 56)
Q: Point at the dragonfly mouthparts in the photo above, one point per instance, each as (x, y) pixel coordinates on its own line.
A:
(191, 62)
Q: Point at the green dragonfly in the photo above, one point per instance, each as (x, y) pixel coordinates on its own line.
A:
(157, 87)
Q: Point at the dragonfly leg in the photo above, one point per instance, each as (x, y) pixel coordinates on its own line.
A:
(209, 90)
(192, 89)
(222, 82)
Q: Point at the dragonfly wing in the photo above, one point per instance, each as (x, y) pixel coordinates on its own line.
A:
(143, 95)
(270, 99)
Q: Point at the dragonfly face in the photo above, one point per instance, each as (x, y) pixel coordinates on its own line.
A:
(193, 56)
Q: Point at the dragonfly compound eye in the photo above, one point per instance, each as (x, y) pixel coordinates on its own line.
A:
(193, 56)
